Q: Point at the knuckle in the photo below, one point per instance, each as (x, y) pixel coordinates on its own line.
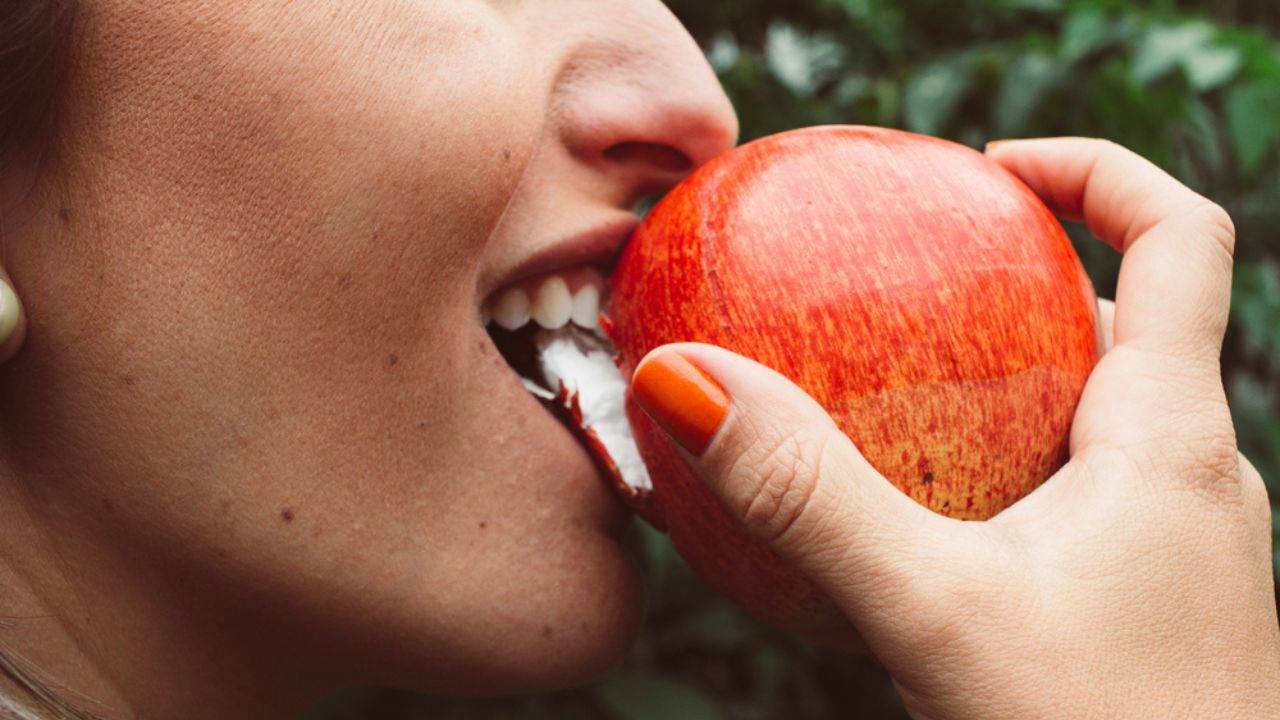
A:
(1114, 156)
(1212, 466)
(1217, 225)
(1203, 462)
(1110, 147)
(1101, 145)
(781, 476)
(1220, 458)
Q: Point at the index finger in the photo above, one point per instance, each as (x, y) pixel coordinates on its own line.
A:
(1175, 280)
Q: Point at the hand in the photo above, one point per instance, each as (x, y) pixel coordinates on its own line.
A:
(1136, 582)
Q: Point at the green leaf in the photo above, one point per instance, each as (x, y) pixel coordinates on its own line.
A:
(799, 60)
(1203, 125)
(855, 9)
(634, 696)
(1164, 47)
(1251, 115)
(1021, 91)
(723, 52)
(888, 103)
(850, 89)
(1083, 33)
(655, 548)
(1208, 68)
(933, 95)
(1255, 305)
(1034, 5)
(771, 666)
(720, 626)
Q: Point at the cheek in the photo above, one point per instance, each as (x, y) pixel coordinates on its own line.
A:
(286, 197)
(393, 146)
(292, 209)
(288, 312)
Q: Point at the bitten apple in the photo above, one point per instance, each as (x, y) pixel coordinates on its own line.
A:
(923, 295)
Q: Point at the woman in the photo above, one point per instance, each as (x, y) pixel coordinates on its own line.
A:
(257, 443)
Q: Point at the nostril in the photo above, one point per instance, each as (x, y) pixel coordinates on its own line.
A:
(655, 155)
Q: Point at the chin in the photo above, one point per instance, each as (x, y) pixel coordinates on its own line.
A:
(597, 628)
(559, 622)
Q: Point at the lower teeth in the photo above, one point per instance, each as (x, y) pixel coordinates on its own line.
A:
(580, 379)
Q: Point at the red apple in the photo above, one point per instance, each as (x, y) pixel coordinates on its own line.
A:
(918, 291)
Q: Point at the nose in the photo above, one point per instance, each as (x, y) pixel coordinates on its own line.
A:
(639, 104)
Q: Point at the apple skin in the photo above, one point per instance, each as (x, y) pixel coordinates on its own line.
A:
(918, 291)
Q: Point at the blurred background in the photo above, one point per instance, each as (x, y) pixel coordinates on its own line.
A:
(1194, 86)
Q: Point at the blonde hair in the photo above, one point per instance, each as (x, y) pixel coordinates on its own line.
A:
(42, 702)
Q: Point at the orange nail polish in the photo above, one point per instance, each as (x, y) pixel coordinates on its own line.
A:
(681, 398)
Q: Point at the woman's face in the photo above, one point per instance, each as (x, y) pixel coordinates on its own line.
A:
(256, 380)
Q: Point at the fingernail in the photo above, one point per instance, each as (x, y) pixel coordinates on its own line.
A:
(994, 144)
(681, 398)
(9, 310)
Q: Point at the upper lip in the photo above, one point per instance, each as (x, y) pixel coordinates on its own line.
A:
(598, 246)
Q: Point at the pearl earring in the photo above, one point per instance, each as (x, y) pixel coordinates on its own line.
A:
(9, 309)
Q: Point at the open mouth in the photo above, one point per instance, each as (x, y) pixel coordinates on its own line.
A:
(547, 328)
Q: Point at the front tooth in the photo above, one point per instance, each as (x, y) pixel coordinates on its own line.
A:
(554, 304)
(511, 311)
(586, 307)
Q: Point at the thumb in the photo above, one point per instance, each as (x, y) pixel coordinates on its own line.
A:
(781, 466)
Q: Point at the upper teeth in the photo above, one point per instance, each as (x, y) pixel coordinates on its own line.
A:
(553, 305)
(511, 309)
(551, 301)
(586, 307)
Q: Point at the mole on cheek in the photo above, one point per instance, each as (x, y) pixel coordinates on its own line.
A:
(287, 515)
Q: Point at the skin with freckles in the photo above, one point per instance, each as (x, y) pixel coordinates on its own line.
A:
(257, 442)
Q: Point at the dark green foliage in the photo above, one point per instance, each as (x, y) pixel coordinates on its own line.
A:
(1195, 86)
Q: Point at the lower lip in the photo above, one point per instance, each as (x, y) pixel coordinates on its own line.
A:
(616, 516)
